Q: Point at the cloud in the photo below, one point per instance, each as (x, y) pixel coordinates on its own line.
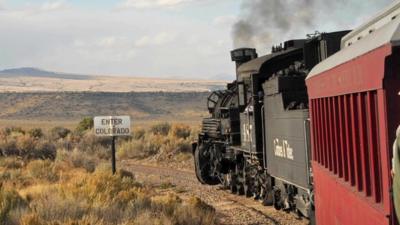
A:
(156, 40)
(190, 43)
(145, 4)
(103, 42)
(53, 6)
(65, 36)
(2, 5)
(227, 20)
(30, 9)
(104, 49)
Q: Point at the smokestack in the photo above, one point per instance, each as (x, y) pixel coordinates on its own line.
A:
(243, 55)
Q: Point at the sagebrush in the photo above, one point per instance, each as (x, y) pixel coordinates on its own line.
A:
(63, 177)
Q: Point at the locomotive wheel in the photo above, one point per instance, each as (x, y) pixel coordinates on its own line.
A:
(226, 181)
(203, 167)
(233, 186)
(240, 189)
(240, 179)
(247, 191)
(268, 199)
(248, 184)
(277, 199)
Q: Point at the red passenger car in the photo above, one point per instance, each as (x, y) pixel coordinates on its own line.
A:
(355, 109)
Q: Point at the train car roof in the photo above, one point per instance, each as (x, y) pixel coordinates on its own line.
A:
(384, 28)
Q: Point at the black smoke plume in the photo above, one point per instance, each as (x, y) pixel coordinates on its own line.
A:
(264, 23)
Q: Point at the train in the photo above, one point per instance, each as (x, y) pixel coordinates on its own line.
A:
(308, 128)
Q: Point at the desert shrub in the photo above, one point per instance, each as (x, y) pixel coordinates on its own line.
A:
(140, 148)
(97, 198)
(152, 147)
(174, 146)
(76, 159)
(96, 146)
(11, 163)
(59, 133)
(30, 148)
(138, 133)
(43, 170)
(90, 143)
(100, 198)
(36, 133)
(83, 160)
(8, 147)
(125, 173)
(171, 208)
(103, 187)
(184, 147)
(9, 200)
(85, 124)
(18, 177)
(156, 143)
(180, 131)
(166, 204)
(195, 212)
(44, 150)
(130, 150)
(3, 133)
(14, 131)
(31, 219)
(160, 129)
(25, 145)
(52, 206)
(75, 137)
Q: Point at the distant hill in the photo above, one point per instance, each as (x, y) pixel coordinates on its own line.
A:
(37, 80)
(226, 77)
(35, 72)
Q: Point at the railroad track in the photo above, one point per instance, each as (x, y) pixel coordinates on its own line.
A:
(231, 209)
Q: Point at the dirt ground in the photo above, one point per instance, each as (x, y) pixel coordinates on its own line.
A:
(231, 209)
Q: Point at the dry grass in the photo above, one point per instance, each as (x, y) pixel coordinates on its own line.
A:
(45, 125)
(163, 140)
(76, 187)
(96, 198)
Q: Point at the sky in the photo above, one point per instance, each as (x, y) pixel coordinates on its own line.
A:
(188, 39)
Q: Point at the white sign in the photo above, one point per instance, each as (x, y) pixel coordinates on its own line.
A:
(112, 125)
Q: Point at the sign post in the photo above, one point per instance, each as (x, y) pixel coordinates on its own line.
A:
(113, 166)
(112, 126)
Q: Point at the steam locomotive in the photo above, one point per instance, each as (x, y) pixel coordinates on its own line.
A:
(307, 128)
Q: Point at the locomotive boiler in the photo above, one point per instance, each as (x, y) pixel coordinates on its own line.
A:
(306, 128)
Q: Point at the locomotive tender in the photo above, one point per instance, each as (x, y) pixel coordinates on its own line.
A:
(307, 128)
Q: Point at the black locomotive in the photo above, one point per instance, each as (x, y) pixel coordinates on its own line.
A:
(256, 140)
